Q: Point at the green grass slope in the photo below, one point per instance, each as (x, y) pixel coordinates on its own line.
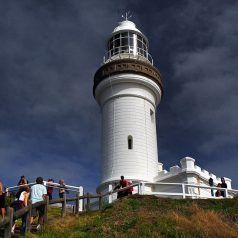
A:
(149, 216)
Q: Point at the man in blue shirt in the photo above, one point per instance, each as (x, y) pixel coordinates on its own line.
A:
(38, 194)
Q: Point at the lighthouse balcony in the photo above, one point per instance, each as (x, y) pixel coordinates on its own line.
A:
(127, 53)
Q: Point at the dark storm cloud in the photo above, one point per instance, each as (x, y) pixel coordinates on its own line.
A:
(203, 104)
(50, 50)
(48, 114)
(208, 84)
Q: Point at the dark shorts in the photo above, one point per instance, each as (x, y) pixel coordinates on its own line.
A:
(61, 195)
(38, 211)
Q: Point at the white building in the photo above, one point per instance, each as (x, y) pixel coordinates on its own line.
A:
(128, 89)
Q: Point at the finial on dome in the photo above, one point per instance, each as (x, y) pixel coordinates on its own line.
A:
(126, 16)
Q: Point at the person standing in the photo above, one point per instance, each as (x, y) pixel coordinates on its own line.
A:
(24, 197)
(22, 181)
(38, 194)
(62, 188)
(130, 189)
(2, 200)
(19, 204)
(50, 188)
(218, 192)
(223, 185)
(211, 183)
(22, 186)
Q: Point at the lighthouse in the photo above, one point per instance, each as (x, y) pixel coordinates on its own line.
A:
(128, 89)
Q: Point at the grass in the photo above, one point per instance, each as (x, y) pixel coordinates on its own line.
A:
(148, 216)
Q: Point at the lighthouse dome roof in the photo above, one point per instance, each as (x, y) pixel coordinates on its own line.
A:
(126, 25)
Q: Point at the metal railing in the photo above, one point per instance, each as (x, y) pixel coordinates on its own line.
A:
(127, 52)
(46, 183)
(186, 190)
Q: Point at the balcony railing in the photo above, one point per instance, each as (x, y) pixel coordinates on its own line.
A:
(123, 52)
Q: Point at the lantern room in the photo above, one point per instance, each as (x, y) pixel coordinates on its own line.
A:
(126, 41)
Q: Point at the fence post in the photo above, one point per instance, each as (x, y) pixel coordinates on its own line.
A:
(46, 209)
(8, 228)
(88, 203)
(183, 190)
(142, 188)
(226, 193)
(138, 188)
(28, 217)
(81, 200)
(77, 204)
(110, 195)
(100, 201)
(63, 211)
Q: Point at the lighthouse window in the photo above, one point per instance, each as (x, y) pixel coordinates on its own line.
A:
(139, 44)
(111, 44)
(130, 142)
(124, 34)
(124, 41)
(117, 45)
(127, 42)
(152, 115)
(117, 36)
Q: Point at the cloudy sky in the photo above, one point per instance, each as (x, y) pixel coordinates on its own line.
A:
(49, 51)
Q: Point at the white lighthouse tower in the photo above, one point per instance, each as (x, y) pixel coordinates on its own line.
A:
(128, 89)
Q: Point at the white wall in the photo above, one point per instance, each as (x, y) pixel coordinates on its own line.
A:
(127, 102)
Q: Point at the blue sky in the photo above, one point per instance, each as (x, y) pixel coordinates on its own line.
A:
(49, 51)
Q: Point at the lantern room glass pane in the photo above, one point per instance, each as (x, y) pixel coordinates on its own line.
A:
(124, 41)
(117, 45)
(131, 41)
(124, 34)
(117, 36)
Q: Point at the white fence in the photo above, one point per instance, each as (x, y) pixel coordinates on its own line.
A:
(68, 188)
(171, 190)
(176, 190)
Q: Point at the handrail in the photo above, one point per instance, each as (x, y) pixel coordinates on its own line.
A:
(184, 194)
(192, 185)
(13, 188)
(67, 187)
(46, 183)
(120, 190)
(129, 52)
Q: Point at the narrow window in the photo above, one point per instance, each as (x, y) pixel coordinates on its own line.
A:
(152, 115)
(130, 142)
